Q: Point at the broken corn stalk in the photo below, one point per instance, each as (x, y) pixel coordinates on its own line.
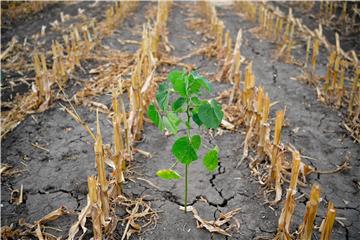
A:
(315, 53)
(276, 156)
(94, 207)
(118, 145)
(279, 121)
(328, 222)
(100, 165)
(289, 205)
(340, 88)
(310, 214)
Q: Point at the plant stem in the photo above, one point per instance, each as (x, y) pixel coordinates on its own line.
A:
(186, 185)
(187, 165)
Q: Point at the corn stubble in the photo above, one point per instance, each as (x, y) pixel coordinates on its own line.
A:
(64, 60)
(340, 86)
(249, 105)
(127, 128)
(245, 104)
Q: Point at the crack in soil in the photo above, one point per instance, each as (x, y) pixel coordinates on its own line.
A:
(321, 119)
(221, 170)
(71, 193)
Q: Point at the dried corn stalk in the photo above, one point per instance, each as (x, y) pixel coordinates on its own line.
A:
(307, 226)
(100, 165)
(328, 222)
(289, 205)
(76, 50)
(276, 156)
(118, 157)
(95, 207)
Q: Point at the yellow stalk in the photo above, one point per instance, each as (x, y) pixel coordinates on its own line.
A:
(280, 29)
(115, 103)
(43, 62)
(262, 140)
(331, 60)
(265, 13)
(289, 206)
(99, 154)
(95, 209)
(340, 88)
(260, 100)
(287, 27)
(67, 43)
(38, 72)
(290, 43)
(92, 188)
(310, 214)
(315, 53)
(118, 142)
(119, 146)
(278, 125)
(275, 30)
(270, 24)
(228, 45)
(247, 84)
(336, 71)
(295, 170)
(266, 109)
(327, 224)
(285, 217)
(127, 132)
(77, 35)
(355, 88)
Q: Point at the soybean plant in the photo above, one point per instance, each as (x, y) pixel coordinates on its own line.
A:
(166, 115)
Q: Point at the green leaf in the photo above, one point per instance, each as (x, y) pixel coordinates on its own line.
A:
(155, 116)
(162, 96)
(211, 114)
(210, 160)
(196, 101)
(217, 109)
(178, 81)
(202, 81)
(196, 142)
(176, 106)
(184, 151)
(196, 119)
(171, 122)
(168, 174)
(194, 84)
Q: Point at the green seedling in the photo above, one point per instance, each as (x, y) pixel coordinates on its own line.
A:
(166, 115)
